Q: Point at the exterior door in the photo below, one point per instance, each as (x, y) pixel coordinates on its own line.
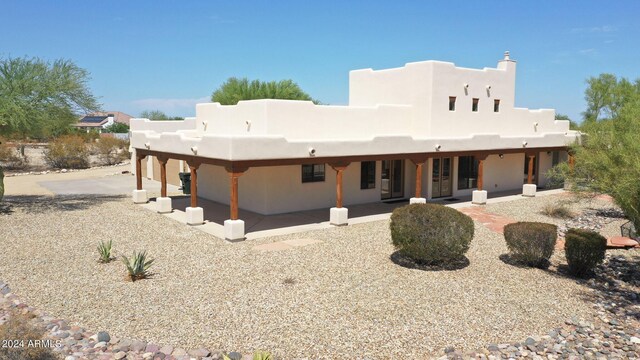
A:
(441, 177)
(392, 179)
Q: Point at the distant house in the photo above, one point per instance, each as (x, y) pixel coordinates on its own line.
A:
(100, 120)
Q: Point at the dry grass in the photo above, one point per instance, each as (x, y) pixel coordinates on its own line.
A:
(557, 210)
(23, 339)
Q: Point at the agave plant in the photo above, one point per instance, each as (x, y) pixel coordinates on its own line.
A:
(138, 265)
(104, 249)
(262, 355)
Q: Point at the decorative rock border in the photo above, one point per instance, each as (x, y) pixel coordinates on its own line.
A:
(44, 172)
(77, 343)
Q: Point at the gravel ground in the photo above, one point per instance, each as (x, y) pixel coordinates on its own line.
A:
(343, 297)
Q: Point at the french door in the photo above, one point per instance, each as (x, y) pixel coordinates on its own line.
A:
(392, 179)
(441, 177)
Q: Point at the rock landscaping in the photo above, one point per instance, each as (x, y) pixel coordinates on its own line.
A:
(340, 297)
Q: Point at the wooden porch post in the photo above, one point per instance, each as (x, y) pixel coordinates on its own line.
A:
(572, 162)
(139, 171)
(339, 168)
(234, 173)
(163, 175)
(194, 183)
(480, 173)
(419, 163)
(530, 169)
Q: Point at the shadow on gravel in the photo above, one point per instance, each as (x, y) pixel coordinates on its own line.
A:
(510, 260)
(409, 263)
(40, 204)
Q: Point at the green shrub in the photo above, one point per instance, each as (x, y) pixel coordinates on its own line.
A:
(431, 234)
(20, 332)
(104, 249)
(68, 152)
(138, 266)
(584, 249)
(531, 243)
(111, 150)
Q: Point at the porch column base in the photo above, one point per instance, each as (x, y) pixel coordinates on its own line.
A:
(163, 205)
(140, 197)
(234, 230)
(479, 197)
(195, 215)
(419, 200)
(529, 190)
(339, 216)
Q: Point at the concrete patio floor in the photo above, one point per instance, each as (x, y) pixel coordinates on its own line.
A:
(259, 226)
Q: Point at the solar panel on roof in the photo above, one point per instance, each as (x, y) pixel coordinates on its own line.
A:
(93, 119)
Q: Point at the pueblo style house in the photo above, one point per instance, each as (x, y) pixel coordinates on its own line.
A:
(426, 130)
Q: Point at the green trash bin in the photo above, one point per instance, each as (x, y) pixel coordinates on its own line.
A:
(185, 178)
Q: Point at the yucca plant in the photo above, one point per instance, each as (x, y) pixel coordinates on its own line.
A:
(138, 265)
(104, 249)
(261, 355)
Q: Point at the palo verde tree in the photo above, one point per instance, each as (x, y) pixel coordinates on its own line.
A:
(158, 115)
(40, 98)
(234, 90)
(607, 160)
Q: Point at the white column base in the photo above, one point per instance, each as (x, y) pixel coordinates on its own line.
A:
(479, 197)
(529, 190)
(195, 215)
(163, 205)
(140, 197)
(234, 230)
(415, 200)
(338, 216)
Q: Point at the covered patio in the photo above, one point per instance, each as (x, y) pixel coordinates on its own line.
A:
(235, 227)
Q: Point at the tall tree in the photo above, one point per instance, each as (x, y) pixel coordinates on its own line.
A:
(606, 96)
(158, 115)
(572, 124)
(234, 90)
(607, 161)
(39, 98)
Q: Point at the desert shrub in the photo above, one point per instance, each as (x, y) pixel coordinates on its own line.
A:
(104, 249)
(531, 243)
(559, 211)
(19, 331)
(10, 157)
(111, 150)
(584, 249)
(430, 233)
(67, 152)
(137, 266)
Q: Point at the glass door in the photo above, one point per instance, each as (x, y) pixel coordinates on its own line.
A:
(392, 183)
(441, 178)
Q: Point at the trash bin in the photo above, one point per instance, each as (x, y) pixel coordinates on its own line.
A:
(185, 179)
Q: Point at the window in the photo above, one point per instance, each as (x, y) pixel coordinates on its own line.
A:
(452, 103)
(312, 173)
(467, 172)
(474, 106)
(368, 175)
(496, 105)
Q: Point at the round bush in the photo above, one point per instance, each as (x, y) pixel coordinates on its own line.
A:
(431, 234)
(531, 243)
(584, 249)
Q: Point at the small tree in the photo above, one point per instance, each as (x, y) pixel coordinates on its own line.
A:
(118, 128)
(234, 90)
(158, 115)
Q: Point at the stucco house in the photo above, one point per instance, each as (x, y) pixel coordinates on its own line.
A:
(426, 130)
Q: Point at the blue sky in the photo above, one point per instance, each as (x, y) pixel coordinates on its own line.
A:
(169, 55)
